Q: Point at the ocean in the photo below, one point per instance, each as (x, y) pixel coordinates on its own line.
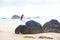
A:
(41, 20)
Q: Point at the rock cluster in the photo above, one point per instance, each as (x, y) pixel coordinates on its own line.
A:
(33, 27)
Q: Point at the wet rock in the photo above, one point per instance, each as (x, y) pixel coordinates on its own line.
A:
(33, 27)
(15, 17)
(19, 29)
(52, 26)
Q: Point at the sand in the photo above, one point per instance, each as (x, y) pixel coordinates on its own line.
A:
(7, 33)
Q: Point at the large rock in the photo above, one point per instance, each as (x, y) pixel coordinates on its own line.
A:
(52, 26)
(3, 18)
(15, 17)
(33, 27)
(20, 29)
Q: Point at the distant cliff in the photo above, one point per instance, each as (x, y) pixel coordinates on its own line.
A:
(15, 17)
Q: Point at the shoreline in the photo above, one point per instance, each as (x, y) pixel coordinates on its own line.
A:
(8, 34)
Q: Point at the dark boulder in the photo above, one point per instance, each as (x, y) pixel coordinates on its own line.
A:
(52, 26)
(33, 27)
(19, 29)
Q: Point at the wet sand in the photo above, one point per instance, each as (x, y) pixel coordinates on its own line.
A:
(7, 33)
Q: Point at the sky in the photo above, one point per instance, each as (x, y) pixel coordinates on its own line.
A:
(9, 8)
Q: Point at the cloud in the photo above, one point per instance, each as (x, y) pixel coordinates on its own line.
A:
(29, 2)
(26, 2)
(29, 7)
(8, 3)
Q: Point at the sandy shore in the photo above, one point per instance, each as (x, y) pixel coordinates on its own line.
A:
(7, 33)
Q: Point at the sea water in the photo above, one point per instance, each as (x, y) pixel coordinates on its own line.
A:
(41, 20)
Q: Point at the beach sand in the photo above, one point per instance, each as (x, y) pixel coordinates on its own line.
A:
(7, 33)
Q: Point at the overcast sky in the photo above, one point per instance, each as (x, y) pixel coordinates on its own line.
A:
(29, 7)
